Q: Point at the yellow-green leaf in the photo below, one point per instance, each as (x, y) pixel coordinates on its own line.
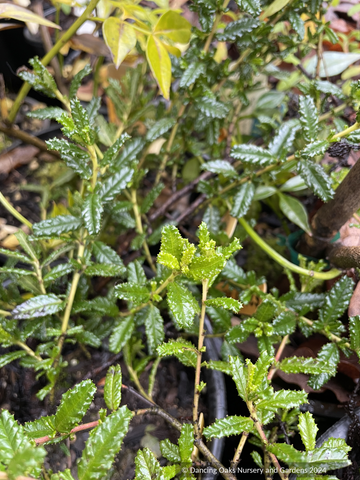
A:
(274, 7)
(8, 10)
(172, 25)
(120, 37)
(160, 64)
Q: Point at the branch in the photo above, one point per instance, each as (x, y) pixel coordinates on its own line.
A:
(27, 138)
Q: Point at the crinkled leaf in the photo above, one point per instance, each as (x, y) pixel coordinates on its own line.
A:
(73, 156)
(74, 404)
(132, 292)
(236, 30)
(57, 226)
(121, 334)
(172, 242)
(284, 140)
(104, 270)
(186, 442)
(114, 184)
(329, 355)
(146, 466)
(39, 306)
(57, 272)
(11, 356)
(354, 329)
(170, 451)
(220, 167)
(212, 108)
(105, 254)
(42, 427)
(285, 323)
(91, 212)
(337, 300)
(103, 444)
(182, 349)
(136, 273)
(112, 387)
(111, 154)
(12, 437)
(309, 118)
(308, 430)
(49, 113)
(192, 73)
(224, 427)
(282, 399)
(306, 365)
(239, 374)
(182, 304)
(255, 156)
(252, 7)
(154, 327)
(151, 197)
(314, 149)
(225, 302)
(266, 311)
(78, 77)
(316, 178)
(159, 128)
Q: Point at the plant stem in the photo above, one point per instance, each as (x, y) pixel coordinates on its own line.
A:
(13, 211)
(136, 380)
(265, 441)
(214, 27)
(205, 286)
(333, 273)
(79, 428)
(94, 161)
(50, 55)
(235, 461)
(345, 132)
(5, 313)
(140, 229)
(329, 335)
(153, 375)
(278, 356)
(27, 138)
(28, 350)
(39, 276)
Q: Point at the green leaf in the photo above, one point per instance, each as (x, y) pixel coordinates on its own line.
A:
(73, 406)
(93, 109)
(220, 167)
(104, 270)
(136, 273)
(172, 242)
(111, 154)
(154, 327)
(146, 466)
(308, 430)
(24, 241)
(102, 305)
(224, 427)
(12, 437)
(255, 156)
(316, 178)
(228, 303)
(91, 212)
(43, 427)
(128, 154)
(114, 184)
(173, 26)
(112, 388)
(151, 197)
(76, 81)
(207, 267)
(49, 113)
(282, 399)
(121, 334)
(328, 87)
(314, 149)
(252, 7)
(105, 254)
(192, 73)
(160, 64)
(10, 357)
(337, 300)
(236, 30)
(57, 226)
(329, 356)
(57, 272)
(186, 442)
(354, 329)
(297, 24)
(170, 451)
(306, 365)
(266, 311)
(39, 306)
(26, 462)
(41, 80)
(132, 292)
(81, 119)
(19, 256)
(182, 304)
(103, 444)
(294, 210)
(274, 7)
(285, 323)
(120, 37)
(284, 140)
(212, 108)
(16, 271)
(159, 128)
(180, 348)
(239, 375)
(309, 118)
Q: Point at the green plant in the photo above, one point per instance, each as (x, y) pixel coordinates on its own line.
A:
(53, 302)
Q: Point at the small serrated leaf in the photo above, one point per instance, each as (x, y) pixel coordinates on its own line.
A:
(308, 430)
(186, 442)
(91, 212)
(154, 327)
(104, 270)
(192, 73)
(114, 184)
(57, 226)
(282, 399)
(121, 334)
(225, 302)
(112, 387)
(159, 128)
(308, 118)
(132, 292)
(253, 155)
(316, 178)
(105, 254)
(232, 425)
(182, 304)
(39, 306)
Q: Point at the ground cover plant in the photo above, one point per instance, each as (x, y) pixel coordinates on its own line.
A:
(237, 107)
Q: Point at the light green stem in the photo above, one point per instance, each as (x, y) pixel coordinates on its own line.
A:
(140, 229)
(29, 351)
(13, 211)
(283, 261)
(51, 54)
(94, 161)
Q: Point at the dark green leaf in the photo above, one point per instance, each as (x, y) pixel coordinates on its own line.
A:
(284, 140)
(121, 334)
(10, 357)
(329, 356)
(294, 210)
(76, 82)
(212, 108)
(242, 200)
(111, 154)
(316, 148)
(49, 113)
(91, 212)
(224, 427)
(228, 303)
(103, 444)
(43, 427)
(12, 437)
(81, 119)
(114, 184)
(104, 270)
(236, 30)
(282, 399)
(182, 349)
(337, 300)
(308, 430)
(154, 327)
(316, 178)
(239, 374)
(306, 365)
(170, 451)
(132, 292)
(39, 306)
(252, 7)
(57, 272)
(74, 404)
(266, 311)
(220, 167)
(159, 128)
(308, 118)
(354, 329)
(57, 225)
(136, 273)
(285, 323)
(93, 108)
(146, 466)
(192, 73)
(112, 388)
(151, 197)
(297, 23)
(105, 254)
(128, 154)
(255, 156)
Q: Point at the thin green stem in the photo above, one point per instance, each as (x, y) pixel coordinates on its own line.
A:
(205, 286)
(5, 313)
(329, 335)
(214, 27)
(152, 376)
(94, 162)
(345, 132)
(50, 55)
(39, 276)
(136, 380)
(62, 99)
(140, 229)
(333, 273)
(13, 211)
(28, 350)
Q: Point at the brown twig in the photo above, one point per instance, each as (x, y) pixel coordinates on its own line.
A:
(278, 356)
(27, 138)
